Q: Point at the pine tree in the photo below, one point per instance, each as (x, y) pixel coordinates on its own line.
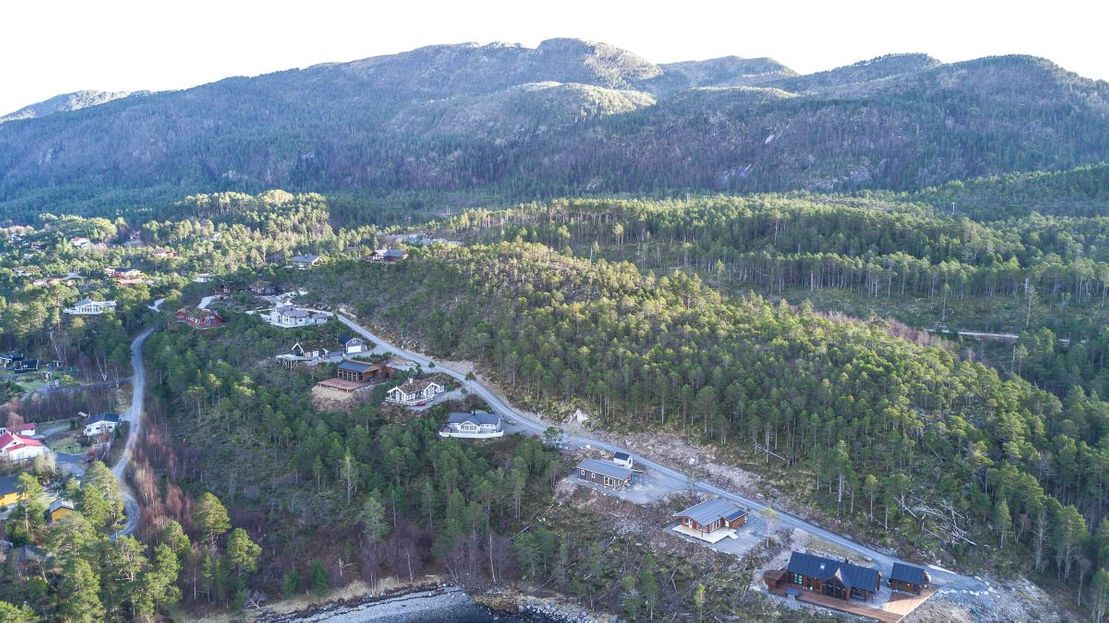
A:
(210, 517)
(79, 592)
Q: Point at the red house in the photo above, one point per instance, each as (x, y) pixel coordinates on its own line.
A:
(199, 318)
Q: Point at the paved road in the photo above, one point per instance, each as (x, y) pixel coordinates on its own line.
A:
(133, 416)
(943, 578)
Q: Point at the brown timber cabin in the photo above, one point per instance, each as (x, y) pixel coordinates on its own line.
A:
(908, 578)
(832, 577)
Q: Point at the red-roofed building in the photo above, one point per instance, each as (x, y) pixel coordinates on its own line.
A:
(14, 448)
(25, 430)
(200, 318)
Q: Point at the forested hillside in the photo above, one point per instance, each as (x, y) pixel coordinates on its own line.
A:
(919, 264)
(872, 424)
(565, 118)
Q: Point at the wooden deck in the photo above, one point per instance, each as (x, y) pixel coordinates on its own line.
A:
(853, 606)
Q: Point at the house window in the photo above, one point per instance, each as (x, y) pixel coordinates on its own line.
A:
(582, 474)
(797, 579)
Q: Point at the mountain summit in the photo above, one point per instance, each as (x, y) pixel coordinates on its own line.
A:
(566, 116)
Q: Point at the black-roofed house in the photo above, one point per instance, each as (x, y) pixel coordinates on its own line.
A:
(908, 578)
(711, 520)
(833, 577)
(363, 371)
(623, 459)
(604, 473)
(478, 425)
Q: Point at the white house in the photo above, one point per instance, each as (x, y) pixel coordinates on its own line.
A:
(286, 316)
(89, 307)
(413, 392)
(306, 261)
(473, 426)
(355, 345)
(14, 448)
(24, 430)
(623, 459)
(100, 424)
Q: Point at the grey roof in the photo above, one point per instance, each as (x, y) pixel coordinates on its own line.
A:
(477, 418)
(9, 484)
(60, 503)
(395, 253)
(292, 311)
(909, 574)
(104, 417)
(605, 468)
(823, 569)
(305, 258)
(710, 510)
(356, 366)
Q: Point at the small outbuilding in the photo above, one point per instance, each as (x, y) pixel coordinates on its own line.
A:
(908, 578)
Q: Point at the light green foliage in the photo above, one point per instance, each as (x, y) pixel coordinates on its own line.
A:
(10, 613)
(80, 599)
(210, 517)
(101, 501)
(242, 553)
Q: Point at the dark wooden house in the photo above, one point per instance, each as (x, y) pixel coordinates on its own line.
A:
(199, 318)
(604, 473)
(833, 577)
(363, 371)
(908, 578)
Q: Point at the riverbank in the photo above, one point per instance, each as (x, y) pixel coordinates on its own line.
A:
(449, 604)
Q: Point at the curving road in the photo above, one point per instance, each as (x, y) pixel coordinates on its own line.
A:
(133, 417)
(942, 578)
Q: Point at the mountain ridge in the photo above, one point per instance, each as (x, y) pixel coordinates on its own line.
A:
(462, 118)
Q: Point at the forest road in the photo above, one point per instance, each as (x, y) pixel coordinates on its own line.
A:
(133, 417)
(943, 579)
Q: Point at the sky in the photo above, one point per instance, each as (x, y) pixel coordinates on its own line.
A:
(50, 47)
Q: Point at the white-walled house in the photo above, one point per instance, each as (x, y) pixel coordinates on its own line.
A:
(100, 424)
(15, 449)
(306, 261)
(413, 392)
(473, 426)
(355, 346)
(29, 429)
(287, 316)
(89, 307)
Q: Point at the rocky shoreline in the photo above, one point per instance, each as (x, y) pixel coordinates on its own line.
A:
(450, 604)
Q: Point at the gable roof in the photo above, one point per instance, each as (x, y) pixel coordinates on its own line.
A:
(710, 510)
(909, 574)
(103, 417)
(412, 386)
(824, 569)
(621, 456)
(605, 468)
(476, 418)
(60, 503)
(309, 258)
(357, 366)
(19, 428)
(11, 438)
